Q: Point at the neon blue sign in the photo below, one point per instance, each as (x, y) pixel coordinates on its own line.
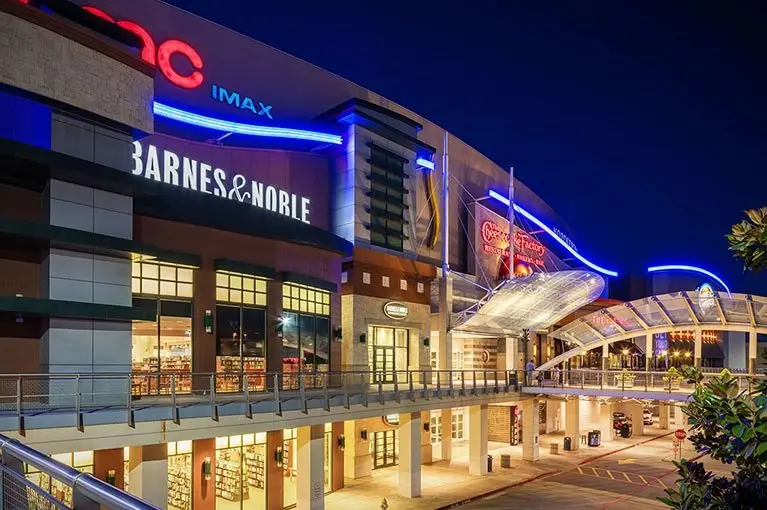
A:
(233, 98)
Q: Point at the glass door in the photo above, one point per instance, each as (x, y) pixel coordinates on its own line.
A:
(383, 363)
(384, 449)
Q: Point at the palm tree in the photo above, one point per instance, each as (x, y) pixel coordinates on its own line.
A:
(748, 239)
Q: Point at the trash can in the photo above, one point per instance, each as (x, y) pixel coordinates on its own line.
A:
(489, 463)
(505, 461)
(568, 444)
(595, 438)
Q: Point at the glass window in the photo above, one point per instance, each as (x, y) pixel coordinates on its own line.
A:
(154, 278)
(457, 425)
(180, 475)
(164, 346)
(82, 461)
(240, 288)
(387, 196)
(300, 298)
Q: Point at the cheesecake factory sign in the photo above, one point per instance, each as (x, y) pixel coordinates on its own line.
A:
(169, 167)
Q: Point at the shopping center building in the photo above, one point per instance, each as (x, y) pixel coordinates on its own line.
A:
(250, 256)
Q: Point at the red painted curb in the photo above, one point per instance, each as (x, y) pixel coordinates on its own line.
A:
(474, 498)
(606, 454)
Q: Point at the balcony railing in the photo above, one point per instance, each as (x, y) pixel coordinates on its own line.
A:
(24, 395)
(622, 380)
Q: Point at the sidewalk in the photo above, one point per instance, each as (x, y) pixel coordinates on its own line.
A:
(443, 484)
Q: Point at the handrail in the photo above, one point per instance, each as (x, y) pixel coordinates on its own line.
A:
(84, 485)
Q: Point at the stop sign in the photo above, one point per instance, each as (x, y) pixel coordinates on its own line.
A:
(680, 434)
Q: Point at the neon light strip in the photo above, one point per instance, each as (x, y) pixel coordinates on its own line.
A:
(425, 163)
(505, 200)
(694, 269)
(243, 129)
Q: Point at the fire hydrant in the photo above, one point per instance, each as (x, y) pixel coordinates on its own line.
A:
(384, 504)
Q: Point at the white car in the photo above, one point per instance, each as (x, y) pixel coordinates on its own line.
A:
(647, 417)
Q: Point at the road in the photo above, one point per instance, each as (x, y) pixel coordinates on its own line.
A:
(631, 479)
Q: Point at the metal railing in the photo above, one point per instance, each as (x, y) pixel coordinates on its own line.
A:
(88, 492)
(22, 395)
(622, 380)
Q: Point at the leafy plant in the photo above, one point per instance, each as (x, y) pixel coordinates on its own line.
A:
(730, 425)
(748, 239)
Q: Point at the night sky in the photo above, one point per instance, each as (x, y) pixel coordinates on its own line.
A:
(642, 123)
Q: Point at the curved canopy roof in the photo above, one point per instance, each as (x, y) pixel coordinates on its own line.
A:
(677, 311)
(529, 303)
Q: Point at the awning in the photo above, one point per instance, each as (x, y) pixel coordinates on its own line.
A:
(535, 302)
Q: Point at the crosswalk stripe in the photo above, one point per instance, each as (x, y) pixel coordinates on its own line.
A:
(643, 480)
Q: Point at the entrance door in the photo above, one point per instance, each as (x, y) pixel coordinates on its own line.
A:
(384, 449)
(383, 363)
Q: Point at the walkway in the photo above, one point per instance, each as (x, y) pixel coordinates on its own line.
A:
(445, 484)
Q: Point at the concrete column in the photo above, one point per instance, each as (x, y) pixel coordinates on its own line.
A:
(478, 431)
(447, 434)
(605, 356)
(149, 473)
(680, 419)
(310, 482)
(573, 421)
(554, 415)
(664, 416)
(530, 447)
(105, 461)
(337, 475)
(445, 337)
(648, 352)
(275, 477)
(636, 414)
(698, 348)
(606, 421)
(409, 455)
(752, 352)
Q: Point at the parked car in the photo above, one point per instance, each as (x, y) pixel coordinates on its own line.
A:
(622, 425)
(647, 417)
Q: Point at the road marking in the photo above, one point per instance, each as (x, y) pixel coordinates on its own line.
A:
(627, 461)
(643, 480)
(611, 475)
(595, 472)
(627, 478)
(662, 484)
(580, 470)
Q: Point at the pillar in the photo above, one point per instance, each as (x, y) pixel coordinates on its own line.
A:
(752, 351)
(698, 347)
(648, 352)
(530, 421)
(664, 416)
(478, 431)
(447, 434)
(606, 421)
(445, 337)
(337, 476)
(275, 487)
(553, 415)
(605, 356)
(203, 491)
(105, 461)
(358, 462)
(409, 468)
(149, 473)
(310, 479)
(680, 419)
(573, 421)
(636, 414)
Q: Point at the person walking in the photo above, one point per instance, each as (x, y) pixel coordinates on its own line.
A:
(529, 368)
(555, 375)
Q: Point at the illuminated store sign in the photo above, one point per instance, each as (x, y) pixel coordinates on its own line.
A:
(164, 55)
(565, 238)
(396, 311)
(168, 167)
(496, 240)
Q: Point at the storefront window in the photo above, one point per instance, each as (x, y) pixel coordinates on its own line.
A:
(306, 333)
(388, 354)
(457, 425)
(241, 472)
(126, 467)
(240, 330)
(328, 457)
(82, 461)
(435, 429)
(387, 199)
(180, 475)
(163, 347)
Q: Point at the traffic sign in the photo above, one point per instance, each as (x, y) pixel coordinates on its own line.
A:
(680, 434)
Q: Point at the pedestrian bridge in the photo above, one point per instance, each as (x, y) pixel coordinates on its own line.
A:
(664, 386)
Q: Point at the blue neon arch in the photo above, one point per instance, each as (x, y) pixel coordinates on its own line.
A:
(693, 269)
(505, 200)
(177, 114)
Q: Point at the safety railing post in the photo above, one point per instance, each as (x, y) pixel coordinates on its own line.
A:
(410, 375)
(450, 384)
(380, 389)
(484, 376)
(439, 385)
(173, 403)
(463, 383)
(474, 382)
(78, 402)
(496, 381)
(302, 393)
(425, 386)
(365, 380)
(325, 394)
(246, 394)
(396, 387)
(213, 408)
(19, 400)
(277, 401)
(345, 379)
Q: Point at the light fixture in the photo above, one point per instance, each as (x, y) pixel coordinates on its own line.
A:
(206, 468)
(694, 269)
(278, 456)
(162, 110)
(676, 354)
(425, 163)
(625, 352)
(687, 354)
(364, 434)
(504, 200)
(341, 442)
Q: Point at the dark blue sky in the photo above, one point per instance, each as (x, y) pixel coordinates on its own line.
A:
(643, 123)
